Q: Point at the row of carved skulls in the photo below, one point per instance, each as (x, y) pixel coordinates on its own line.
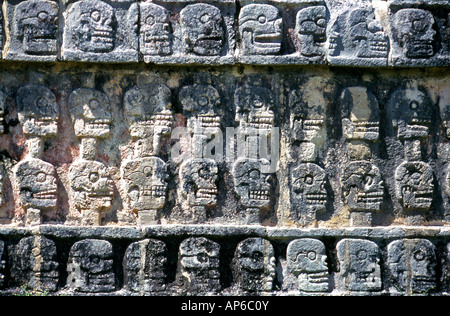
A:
(92, 26)
(411, 266)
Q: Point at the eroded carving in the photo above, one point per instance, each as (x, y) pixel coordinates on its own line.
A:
(155, 36)
(261, 29)
(308, 191)
(359, 265)
(311, 24)
(254, 265)
(203, 29)
(91, 26)
(34, 263)
(145, 266)
(38, 110)
(307, 261)
(413, 30)
(91, 114)
(198, 265)
(36, 27)
(90, 266)
(412, 264)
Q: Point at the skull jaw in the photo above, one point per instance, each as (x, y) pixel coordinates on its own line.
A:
(314, 281)
(419, 49)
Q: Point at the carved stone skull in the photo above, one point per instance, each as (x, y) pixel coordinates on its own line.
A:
(308, 187)
(198, 265)
(198, 177)
(306, 259)
(91, 186)
(36, 181)
(362, 186)
(203, 29)
(35, 264)
(37, 26)
(145, 183)
(201, 105)
(260, 28)
(413, 29)
(91, 114)
(411, 113)
(311, 23)
(145, 266)
(254, 107)
(38, 110)
(412, 264)
(90, 266)
(148, 110)
(359, 264)
(155, 33)
(414, 185)
(254, 265)
(252, 182)
(360, 114)
(92, 25)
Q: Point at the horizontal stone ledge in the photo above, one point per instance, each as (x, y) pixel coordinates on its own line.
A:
(133, 232)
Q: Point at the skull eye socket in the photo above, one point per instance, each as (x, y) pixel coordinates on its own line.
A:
(262, 19)
(148, 171)
(309, 179)
(204, 173)
(94, 104)
(254, 174)
(42, 16)
(312, 255)
(150, 20)
(257, 256)
(361, 255)
(205, 18)
(258, 102)
(321, 22)
(41, 177)
(94, 177)
(419, 255)
(203, 100)
(96, 15)
(42, 102)
(368, 180)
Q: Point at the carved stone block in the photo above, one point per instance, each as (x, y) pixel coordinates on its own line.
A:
(198, 265)
(311, 25)
(145, 266)
(90, 266)
(307, 261)
(34, 263)
(359, 265)
(101, 31)
(412, 264)
(254, 265)
(33, 27)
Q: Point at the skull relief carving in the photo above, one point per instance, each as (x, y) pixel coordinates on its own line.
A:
(412, 264)
(91, 114)
(306, 259)
(145, 183)
(90, 266)
(362, 186)
(37, 26)
(203, 29)
(156, 32)
(91, 186)
(145, 266)
(38, 110)
(36, 184)
(308, 190)
(311, 23)
(254, 265)
(252, 182)
(198, 178)
(261, 29)
(414, 185)
(92, 25)
(198, 265)
(359, 264)
(413, 29)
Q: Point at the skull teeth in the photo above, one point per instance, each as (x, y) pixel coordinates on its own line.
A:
(260, 195)
(154, 190)
(206, 193)
(209, 121)
(46, 195)
(316, 199)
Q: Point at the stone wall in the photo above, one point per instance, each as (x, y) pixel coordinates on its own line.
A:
(294, 147)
